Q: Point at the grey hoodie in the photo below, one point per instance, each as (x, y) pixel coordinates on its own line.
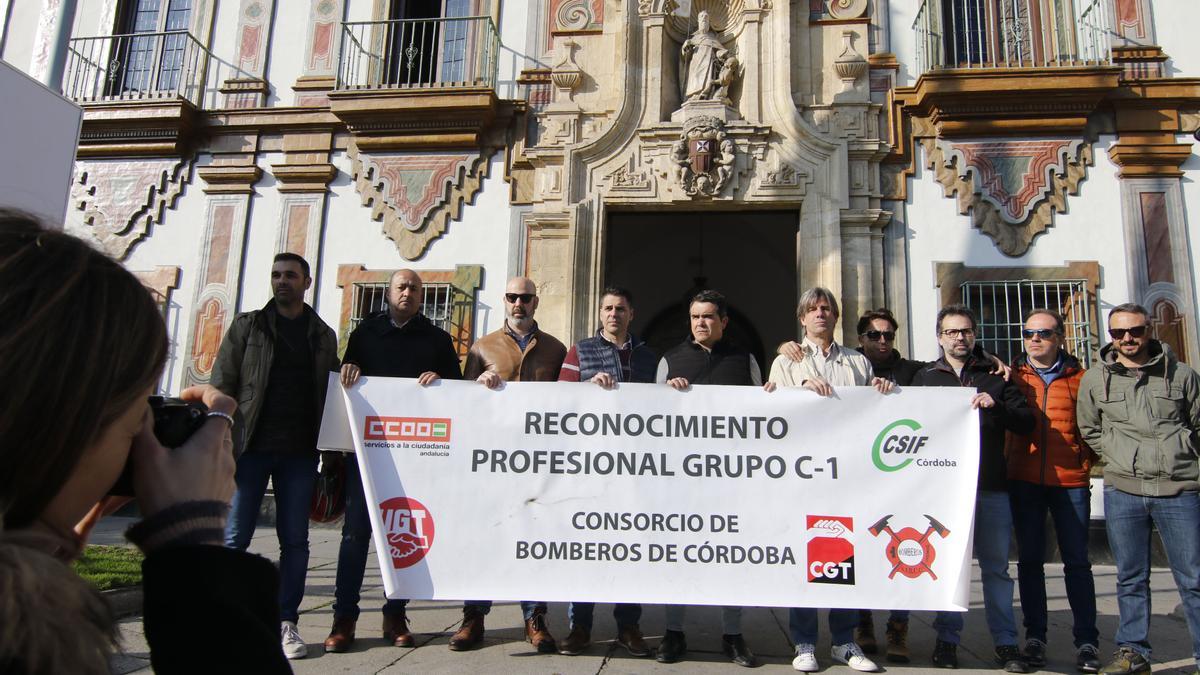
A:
(1143, 422)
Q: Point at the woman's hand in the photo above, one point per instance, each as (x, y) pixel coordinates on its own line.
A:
(199, 470)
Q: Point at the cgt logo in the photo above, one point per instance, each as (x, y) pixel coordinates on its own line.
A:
(408, 526)
(895, 445)
(830, 552)
(435, 429)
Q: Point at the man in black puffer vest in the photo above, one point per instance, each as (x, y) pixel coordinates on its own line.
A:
(706, 358)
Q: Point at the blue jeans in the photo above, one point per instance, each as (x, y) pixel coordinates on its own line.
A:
(948, 625)
(1128, 519)
(802, 624)
(292, 476)
(352, 555)
(626, 614)
(993, 536)
(1071, 511)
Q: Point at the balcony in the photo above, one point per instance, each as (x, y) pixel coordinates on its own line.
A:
(141, 93)
(418, 83)
(974, 34)
(1010, 67)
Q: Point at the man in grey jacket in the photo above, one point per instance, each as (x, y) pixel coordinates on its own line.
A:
(276, 362)
(1140, 409)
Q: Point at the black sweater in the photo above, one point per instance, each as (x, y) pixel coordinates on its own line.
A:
(380, 349)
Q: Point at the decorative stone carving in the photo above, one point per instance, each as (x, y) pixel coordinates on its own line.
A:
(566, 74)
(704, 157)
(576, 16)
(122, 200)
(647, 7)
(416, 194)
(783, 177)
(847, 9)
(709, 66)
(627, 178)
(849, 65)
(1011, 188)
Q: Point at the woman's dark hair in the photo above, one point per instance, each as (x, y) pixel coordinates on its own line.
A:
(80, 339)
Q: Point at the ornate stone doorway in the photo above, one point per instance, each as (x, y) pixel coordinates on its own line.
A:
(665, 258)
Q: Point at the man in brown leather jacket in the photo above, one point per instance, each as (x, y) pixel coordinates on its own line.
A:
(518, 352)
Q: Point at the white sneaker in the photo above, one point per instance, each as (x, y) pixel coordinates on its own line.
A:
(852, 655)
(293, 644)
(806, 658)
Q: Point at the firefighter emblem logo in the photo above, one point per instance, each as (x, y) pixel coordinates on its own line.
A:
(910, 551)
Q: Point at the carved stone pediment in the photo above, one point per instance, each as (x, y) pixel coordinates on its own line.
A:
(122, 200)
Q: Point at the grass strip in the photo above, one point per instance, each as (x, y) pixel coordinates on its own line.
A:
(109, 567)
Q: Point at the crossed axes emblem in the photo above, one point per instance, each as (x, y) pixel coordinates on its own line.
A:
(910, 535)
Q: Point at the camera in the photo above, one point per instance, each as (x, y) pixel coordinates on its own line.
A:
(175, 420)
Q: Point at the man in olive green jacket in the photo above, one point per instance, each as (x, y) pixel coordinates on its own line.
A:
(1140, 409)
(276, 362)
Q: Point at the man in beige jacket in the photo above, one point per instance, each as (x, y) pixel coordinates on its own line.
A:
(826, 364)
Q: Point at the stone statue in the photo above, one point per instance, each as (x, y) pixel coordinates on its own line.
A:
(708, 66)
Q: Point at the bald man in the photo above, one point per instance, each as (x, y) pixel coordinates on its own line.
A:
(518, 352)
(397, 342)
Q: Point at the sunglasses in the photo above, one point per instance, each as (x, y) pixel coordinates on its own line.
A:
(874, 335)
(1136, 331)
(1044, 333)
(526, 298)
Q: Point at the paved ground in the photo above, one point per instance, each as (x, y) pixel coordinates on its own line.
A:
(505, 650)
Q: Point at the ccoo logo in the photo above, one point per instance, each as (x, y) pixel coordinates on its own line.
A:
(408, 527)
(435, 429)
(895, 445)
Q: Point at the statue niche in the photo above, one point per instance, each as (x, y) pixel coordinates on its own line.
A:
(707, 69)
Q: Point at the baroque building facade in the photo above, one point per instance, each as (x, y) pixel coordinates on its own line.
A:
(903, 154)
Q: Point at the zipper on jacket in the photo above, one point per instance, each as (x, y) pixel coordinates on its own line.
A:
(1045, 423)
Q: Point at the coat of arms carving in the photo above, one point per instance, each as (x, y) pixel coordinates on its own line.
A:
(703, 156)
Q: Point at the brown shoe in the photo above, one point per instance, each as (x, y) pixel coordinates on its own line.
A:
(470, 633)
(630, 637)
(341, 636)
(576, 642)
(395, 630)
(538, 635)
(897, 641)
(864, 634)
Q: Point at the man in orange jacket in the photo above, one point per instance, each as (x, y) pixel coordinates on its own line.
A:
(1048, 470)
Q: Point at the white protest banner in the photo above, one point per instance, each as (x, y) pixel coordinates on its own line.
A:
(717, 495)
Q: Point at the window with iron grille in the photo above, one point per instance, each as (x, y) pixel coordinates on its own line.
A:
(1000, 307)
(436, 303)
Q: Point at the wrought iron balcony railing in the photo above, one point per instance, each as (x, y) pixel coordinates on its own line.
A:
(137, 67)
(1011, 34)
(419, 53)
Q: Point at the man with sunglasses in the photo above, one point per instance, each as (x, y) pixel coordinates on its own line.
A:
(1140, 409)
(1002, 408)
(518, 352)
(1049, 471)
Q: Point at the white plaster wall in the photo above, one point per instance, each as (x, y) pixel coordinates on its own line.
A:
(515, 38)
(480, 238)
(937, 233)
(223, 46)
(285, 52)
(904, 41)
(19, 33)
(1175, 29)
(175, 242)
(261, 237)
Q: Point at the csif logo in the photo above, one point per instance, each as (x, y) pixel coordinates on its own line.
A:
(432, 429)
(895, 446)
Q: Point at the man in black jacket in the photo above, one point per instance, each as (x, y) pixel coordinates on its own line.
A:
(398, 342)
(707, 358)
(1002, 407)
(276, 362)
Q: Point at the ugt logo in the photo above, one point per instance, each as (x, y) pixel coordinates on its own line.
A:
(897, 441)
(910, 552)
(408, 526)
(435, 429)
(830, 552)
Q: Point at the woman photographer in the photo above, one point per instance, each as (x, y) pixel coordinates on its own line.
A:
(82, 345)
